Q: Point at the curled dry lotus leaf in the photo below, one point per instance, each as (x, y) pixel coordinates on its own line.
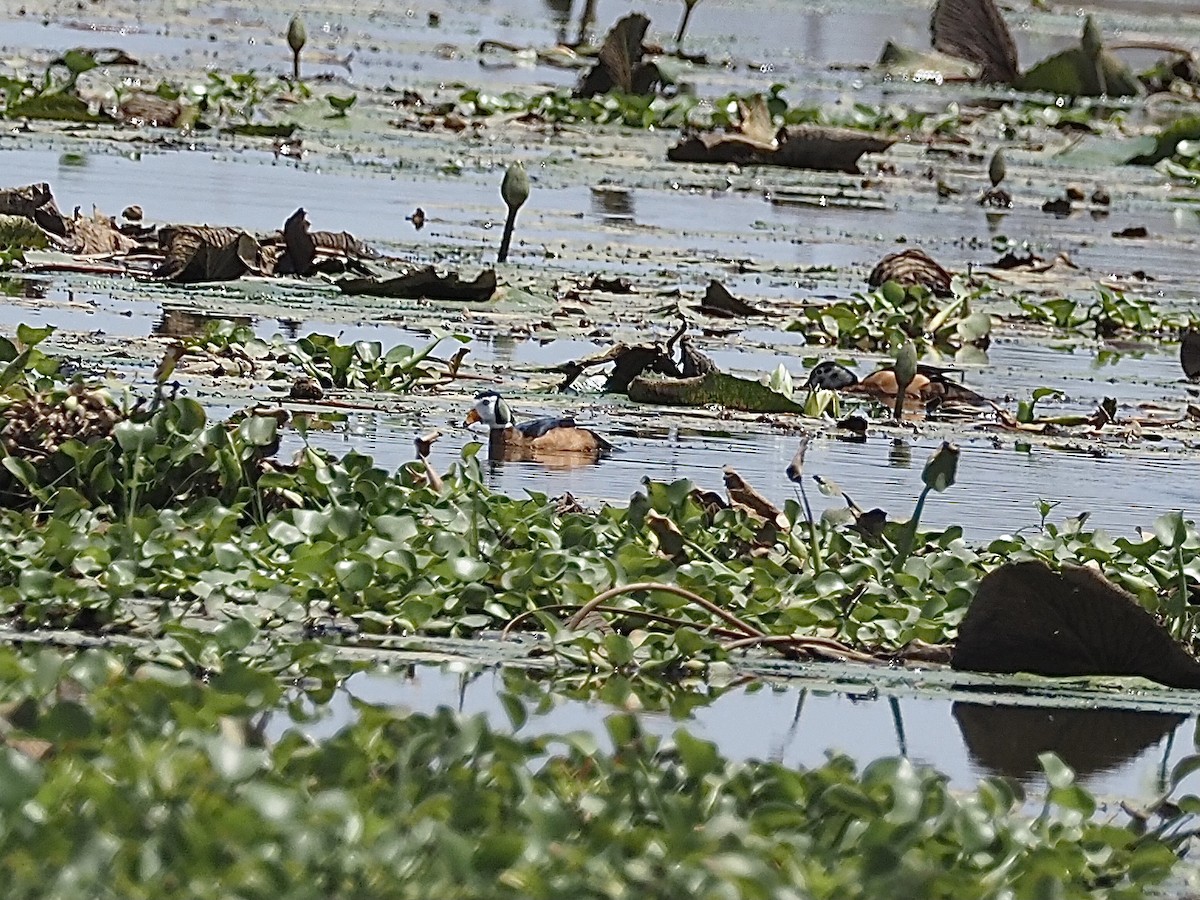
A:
(619, 64)
(1026, 617)
(34, 202)
(975, 31)
(911, 267)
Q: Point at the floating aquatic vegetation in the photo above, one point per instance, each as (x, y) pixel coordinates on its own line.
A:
(892, 314)
(451, 806)
(1111, 312)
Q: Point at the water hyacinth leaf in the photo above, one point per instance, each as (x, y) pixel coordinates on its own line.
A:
(975, 327)
(514, 708)
(1058, 773)
(133, 437)
(1171, 529)
(699, 756)
(259, 431)
(236, 634)
(468, 569)
(354, 575)
(20, 777)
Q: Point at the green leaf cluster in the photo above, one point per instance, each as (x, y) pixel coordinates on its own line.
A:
(139, 781)
(893, 313)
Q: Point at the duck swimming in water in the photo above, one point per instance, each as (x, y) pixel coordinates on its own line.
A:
(553, 434)
(930, 384)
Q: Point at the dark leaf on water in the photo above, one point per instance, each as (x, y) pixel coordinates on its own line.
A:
(424, 283)
(1073, 73)
(34, 201)
(718, 302)
(1028, 618)
(1189, 354)
(975, 31)
(301, 249)
(199, 253)
(798, 147)
(620, 62)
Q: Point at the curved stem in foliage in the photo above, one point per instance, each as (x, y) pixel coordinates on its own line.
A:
(817, 646)
(605, 596)
(616, 610)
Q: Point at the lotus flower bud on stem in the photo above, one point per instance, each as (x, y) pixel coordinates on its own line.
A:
(906, 370)
(297, 37)
(515, 191)
(997, 168)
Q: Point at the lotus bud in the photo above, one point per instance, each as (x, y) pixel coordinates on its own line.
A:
(906, 365)
(940, 471)
(515, 187)
(997, 168)
(515, 191)
(297, 37)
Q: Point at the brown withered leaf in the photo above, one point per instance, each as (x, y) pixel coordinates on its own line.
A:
(975, 31)
(911, 267)
(424, 283)
(97, 235)
(742, 494)
(620, 64)
(719, 303)
(197, 253)
(35, 202)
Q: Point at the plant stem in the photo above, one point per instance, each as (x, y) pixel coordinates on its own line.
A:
(812, 526)
(910, 533)
(509, 225)
(296, 67)
(1181, 602)
(683, 23)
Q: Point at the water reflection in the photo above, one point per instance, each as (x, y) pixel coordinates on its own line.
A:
(26, 288)
(1114, 751)
(188, 322)
(1006, 740)
(613, 204)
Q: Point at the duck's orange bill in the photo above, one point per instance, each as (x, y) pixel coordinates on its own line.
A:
(472, 418)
